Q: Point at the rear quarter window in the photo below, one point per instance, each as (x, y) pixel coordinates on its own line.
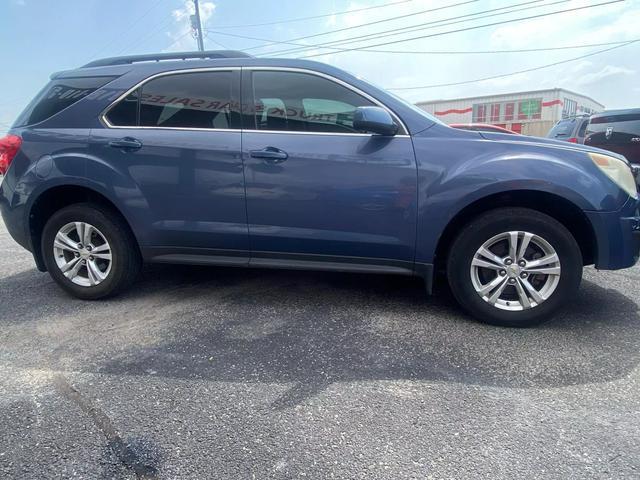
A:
(58, 95)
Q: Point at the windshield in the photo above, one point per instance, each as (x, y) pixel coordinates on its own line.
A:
(415, 108)
(406, 102)
(562, 129)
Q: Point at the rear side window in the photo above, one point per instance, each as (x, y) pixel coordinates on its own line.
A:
(562, 129)
(288, 101)
(58, 95)
(186, 100)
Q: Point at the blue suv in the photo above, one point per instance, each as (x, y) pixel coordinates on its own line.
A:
(217, 158)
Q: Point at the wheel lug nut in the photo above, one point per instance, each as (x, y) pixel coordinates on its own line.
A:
(512, 280)
(522, 263)
(90, 257)
(503, 273)
(524, 275)
(77, 254)
(508, 261)
(88, 247)
(84, 262)
(79, 246)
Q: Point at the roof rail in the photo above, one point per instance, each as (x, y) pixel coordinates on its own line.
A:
(156, 57)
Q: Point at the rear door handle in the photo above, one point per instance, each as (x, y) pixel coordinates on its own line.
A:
(126, 143)
(270, 154)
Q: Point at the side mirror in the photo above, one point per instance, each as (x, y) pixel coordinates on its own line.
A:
(375, 120)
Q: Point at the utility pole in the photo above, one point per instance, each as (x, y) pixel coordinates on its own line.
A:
(197, 26)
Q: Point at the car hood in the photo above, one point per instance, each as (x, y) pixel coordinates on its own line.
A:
(547, 142)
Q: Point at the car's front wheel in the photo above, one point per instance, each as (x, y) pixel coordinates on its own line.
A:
(514, 267)
(89, 251)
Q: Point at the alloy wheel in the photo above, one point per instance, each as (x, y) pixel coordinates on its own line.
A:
(515, 270)
(82, 254)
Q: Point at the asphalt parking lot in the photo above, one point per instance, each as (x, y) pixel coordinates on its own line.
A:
(225, 373)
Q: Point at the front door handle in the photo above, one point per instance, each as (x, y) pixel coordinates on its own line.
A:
(126, 143)
(270, 154)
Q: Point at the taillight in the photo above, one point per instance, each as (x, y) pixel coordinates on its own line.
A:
(9, 146)
(573, 140)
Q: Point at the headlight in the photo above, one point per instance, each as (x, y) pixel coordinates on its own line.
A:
(616, 170)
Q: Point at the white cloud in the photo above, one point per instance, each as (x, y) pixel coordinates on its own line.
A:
(606, 72)
(613, 22)
(555, 29)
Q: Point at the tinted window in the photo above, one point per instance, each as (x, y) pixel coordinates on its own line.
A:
(186, 100)
(125, 113)
(623, 117)
(563, 128)
(58, 95)
(614, 129)
(303, 102)
(583, 128)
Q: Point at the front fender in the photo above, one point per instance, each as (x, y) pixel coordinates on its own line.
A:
(455, 173)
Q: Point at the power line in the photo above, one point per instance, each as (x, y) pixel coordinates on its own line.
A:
(127, 28)
(469, 28)
(290, 20)
(147, 35)
(444, 7)
(347, 40)
(361, 38)
(481, 52)
(420, 26)
(494, 77)
(338, 45)
(385, 33)
(207, 36)
(145, 38)
(179, 38)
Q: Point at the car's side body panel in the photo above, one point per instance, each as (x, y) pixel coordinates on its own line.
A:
(49, 157)
(335, 194)
(364, 202)
(451, 179)
(186, 187)
(356, 199)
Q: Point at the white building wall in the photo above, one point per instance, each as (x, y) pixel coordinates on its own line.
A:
(554, 104)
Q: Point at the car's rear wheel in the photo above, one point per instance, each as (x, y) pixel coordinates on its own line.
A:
(89, 251)
(514, 267)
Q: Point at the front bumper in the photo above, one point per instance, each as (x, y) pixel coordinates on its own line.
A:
(617, 236)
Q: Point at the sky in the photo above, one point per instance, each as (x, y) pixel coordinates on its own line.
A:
(39, 37)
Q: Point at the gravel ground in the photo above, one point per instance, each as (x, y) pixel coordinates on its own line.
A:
(225, 373)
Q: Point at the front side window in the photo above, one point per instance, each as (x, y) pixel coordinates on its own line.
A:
(185, 100)
(301, 102)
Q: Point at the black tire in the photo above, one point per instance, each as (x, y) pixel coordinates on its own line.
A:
(496, 222)
(125, 255)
